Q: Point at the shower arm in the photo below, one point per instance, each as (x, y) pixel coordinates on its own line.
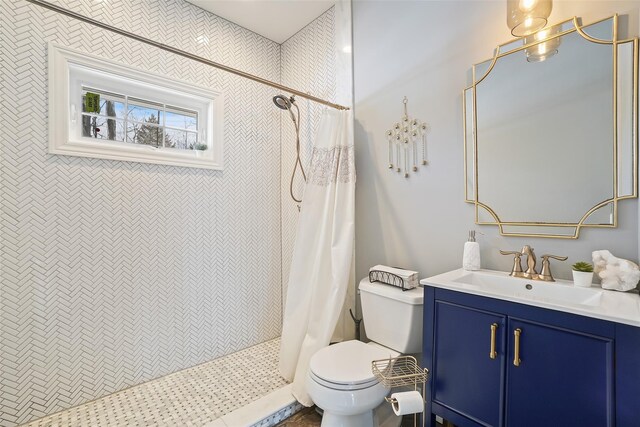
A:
(80, 17)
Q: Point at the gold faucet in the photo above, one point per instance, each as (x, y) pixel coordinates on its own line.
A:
(516, 270)
(545, 274)
(531, 272)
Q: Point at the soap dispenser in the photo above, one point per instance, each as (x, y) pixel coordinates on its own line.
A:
(471, 255)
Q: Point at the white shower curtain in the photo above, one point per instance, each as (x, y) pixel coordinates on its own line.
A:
(323, 251)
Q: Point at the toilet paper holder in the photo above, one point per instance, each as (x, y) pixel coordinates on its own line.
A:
(402, 371)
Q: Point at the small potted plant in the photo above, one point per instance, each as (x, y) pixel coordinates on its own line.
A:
(199, 148)
(582, 274)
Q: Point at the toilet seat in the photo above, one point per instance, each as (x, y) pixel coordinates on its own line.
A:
(343, 386)
(347, 365)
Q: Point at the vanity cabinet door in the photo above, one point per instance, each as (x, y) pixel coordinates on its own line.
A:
(558, 376)
(468, 377)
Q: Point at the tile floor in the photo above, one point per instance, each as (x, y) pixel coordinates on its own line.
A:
(308, 417)
(192, 397)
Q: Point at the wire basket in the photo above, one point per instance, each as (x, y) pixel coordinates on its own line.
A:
(390, 279)
(399, 371)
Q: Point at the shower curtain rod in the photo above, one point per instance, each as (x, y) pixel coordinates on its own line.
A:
(183, 53)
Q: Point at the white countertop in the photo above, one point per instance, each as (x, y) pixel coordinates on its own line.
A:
(620, 307)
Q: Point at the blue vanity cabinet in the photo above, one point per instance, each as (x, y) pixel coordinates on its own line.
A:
(561, 376)
(467, 375)
(565, 374)
(627, 376)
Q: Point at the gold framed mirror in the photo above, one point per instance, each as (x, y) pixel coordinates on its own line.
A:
(551, 131)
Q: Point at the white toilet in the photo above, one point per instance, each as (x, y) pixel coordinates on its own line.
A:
(340, 380)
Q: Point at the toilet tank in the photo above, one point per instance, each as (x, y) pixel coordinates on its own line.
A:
(392, 317)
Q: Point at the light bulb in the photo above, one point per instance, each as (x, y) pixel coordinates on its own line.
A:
(546, 47)
(541, 35)
(527, 5)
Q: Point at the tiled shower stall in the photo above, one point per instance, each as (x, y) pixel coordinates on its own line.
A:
(116, 273)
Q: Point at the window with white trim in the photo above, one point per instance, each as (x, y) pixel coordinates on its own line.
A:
(104, 109)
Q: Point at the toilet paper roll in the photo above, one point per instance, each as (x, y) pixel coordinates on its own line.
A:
(407, 402)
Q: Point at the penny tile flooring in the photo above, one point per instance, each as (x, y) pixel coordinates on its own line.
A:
(308, 417)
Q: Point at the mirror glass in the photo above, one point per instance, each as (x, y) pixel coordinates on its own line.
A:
(544, 147)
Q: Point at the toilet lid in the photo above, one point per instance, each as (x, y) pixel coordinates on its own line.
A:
(348, 362)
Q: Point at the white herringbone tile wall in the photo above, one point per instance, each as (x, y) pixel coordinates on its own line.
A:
(308, 63)
(114, 273)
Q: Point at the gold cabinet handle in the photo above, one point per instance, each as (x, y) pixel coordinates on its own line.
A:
(516, 347)
(493, 353)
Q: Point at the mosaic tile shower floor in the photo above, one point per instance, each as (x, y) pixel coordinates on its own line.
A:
(192, 397)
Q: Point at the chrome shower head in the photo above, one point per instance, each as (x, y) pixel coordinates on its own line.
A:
(283, 102)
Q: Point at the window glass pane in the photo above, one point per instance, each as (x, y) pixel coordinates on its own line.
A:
(110, 106)
(103, 128)
(181, 140)
(145, 112)
(143, 121)
(145, 134)
(181, 119)
(177, 139)
(192, 141)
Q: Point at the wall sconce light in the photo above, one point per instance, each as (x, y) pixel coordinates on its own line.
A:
(545, 49)
(525, 17)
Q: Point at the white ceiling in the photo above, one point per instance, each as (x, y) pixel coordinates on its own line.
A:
(274, 19)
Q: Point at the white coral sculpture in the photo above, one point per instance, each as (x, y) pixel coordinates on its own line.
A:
(615, 273)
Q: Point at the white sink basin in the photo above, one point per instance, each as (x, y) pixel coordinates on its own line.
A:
(561, 295)
(559, 292)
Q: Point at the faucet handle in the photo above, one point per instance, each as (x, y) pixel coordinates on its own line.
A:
(516, 271)
(558, 257)
(545, 274)
(515, 253)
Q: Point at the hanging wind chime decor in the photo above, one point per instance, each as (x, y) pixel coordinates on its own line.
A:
(403, 141)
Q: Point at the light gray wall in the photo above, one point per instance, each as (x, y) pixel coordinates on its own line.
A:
(424, 50)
